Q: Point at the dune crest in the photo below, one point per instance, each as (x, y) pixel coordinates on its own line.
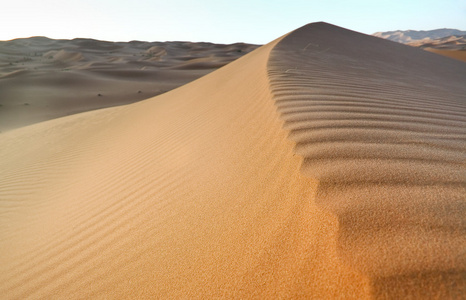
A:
(264, 179)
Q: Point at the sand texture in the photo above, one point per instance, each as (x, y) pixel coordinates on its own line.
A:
(326, 164)
(43, 79)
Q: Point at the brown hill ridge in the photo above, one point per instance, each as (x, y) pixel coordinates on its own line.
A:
(326, 164)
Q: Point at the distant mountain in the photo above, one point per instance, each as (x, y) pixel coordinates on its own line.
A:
(409, 36)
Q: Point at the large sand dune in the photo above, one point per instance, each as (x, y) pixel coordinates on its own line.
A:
(326, 164)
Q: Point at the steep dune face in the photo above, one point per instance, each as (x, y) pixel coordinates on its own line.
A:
(382, 127)
(305, 169)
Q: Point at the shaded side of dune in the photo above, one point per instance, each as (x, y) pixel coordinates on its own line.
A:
(381, 126)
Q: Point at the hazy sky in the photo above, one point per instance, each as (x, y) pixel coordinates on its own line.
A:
(220, 21)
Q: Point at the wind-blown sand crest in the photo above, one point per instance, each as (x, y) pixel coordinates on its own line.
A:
(305, 169)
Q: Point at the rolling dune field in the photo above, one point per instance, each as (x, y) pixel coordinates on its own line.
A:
(43, 79)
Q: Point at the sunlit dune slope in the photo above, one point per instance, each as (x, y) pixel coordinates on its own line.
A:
(326, 164)
(196, 193)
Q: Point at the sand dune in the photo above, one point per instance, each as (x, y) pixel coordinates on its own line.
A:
(446, 43)
(385, 136)
(450, 46)
(326, 164)
(456, 54)
(43, 79)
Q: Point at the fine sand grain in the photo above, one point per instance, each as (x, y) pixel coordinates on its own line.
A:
(324, 165)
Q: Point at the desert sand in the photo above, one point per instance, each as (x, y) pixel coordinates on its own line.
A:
(451, 46)
(43, 79)
(327, 164)
(456, 54)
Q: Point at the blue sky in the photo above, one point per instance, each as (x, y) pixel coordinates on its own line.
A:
(219, 21)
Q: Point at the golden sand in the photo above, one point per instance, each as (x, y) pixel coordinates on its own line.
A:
(327, 164)
(456, 54)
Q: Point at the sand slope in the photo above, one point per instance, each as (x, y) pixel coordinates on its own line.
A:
(456, 54)
(306, 169)
(383, 129)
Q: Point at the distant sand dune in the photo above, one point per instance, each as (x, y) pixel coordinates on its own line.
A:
(63, 56)
(326, 164)
(57, 78)
(452, 46)
(456, 54)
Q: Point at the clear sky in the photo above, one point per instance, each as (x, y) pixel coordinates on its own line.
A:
(219, 21)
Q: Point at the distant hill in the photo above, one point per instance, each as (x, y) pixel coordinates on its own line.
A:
(409, 36)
